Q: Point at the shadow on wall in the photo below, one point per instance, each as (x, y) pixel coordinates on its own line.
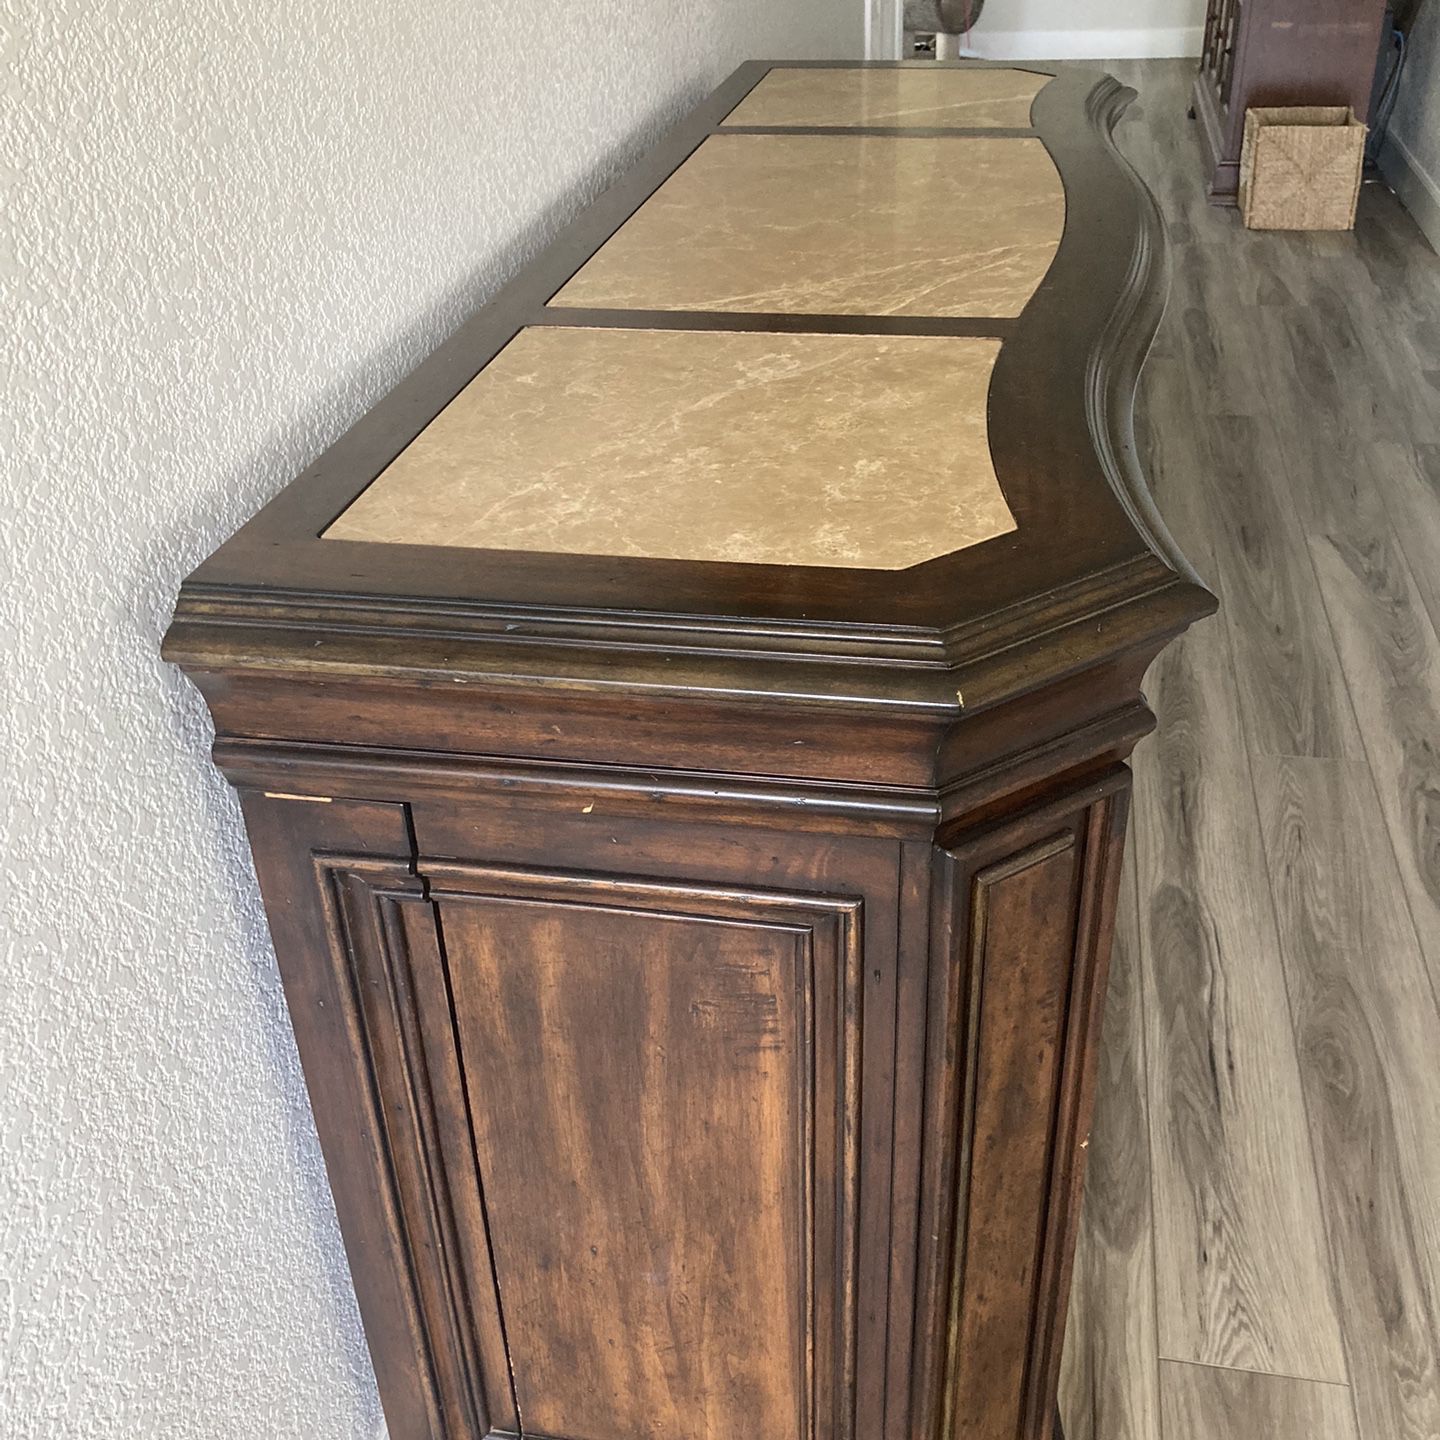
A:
(1410, 159)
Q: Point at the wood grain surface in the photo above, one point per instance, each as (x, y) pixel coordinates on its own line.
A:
(1368, 1034)
(1203, 1403)
(658, 1088)
(1234, 1184)
(1024, 959)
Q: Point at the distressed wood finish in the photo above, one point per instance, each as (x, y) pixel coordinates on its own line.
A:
(639, 1049)
(698, 966)
(1022, 934)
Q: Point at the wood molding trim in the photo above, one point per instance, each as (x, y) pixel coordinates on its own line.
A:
(388, 982)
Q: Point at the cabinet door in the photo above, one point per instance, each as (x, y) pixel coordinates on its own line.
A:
(663, 1085)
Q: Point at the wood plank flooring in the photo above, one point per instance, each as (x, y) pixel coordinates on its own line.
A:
(1241, 1405)
(1260, 1246)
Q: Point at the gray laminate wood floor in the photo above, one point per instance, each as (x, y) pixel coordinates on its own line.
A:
(1260, 1248)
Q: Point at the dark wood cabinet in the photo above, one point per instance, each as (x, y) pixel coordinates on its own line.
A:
(697, 961)
(1278, 52)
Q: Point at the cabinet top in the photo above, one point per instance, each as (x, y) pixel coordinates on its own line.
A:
(829, 397)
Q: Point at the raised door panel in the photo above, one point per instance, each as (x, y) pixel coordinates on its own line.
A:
(663, 1084)
(390, 990)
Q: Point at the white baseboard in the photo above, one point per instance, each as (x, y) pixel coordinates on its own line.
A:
(1146, 44)
(1418, 190)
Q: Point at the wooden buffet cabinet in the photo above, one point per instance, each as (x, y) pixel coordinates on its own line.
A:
(681, 732)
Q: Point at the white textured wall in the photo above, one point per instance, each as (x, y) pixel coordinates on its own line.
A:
(230, 226)
(1089, 29)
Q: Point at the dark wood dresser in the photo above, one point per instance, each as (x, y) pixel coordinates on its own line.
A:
(681, 732)
(1278, 52)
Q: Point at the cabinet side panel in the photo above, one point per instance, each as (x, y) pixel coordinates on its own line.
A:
(283, 836)
(1022, 930)
(359, 957)
(1104, 835)
(1021, 915)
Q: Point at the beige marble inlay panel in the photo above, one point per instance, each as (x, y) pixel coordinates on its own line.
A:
(847, 450)
(926, 94)
(838, 224)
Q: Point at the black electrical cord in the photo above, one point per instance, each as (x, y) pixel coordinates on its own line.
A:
(1385, 107)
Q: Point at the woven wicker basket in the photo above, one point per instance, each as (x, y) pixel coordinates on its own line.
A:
(1300, 167)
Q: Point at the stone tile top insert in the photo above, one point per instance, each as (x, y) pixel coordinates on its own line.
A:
(924, 94)
(857, 451)
(837, 224)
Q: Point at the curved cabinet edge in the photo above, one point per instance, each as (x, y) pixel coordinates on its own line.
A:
(1090, 573)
